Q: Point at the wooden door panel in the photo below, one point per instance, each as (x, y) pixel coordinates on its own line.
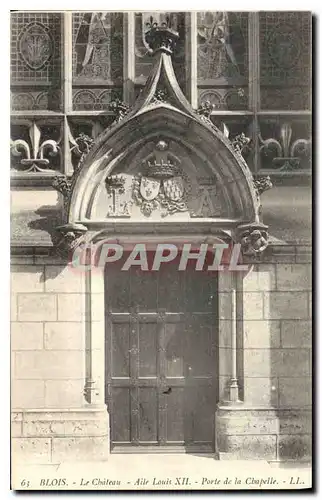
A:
(121, 414)
(148, 431)
(148, 349)
(161, 357)
(120, 358)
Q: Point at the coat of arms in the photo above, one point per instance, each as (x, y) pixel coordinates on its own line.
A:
(163, 185)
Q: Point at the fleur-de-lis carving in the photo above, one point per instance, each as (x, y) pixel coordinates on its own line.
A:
(34, 160)
(285, 154)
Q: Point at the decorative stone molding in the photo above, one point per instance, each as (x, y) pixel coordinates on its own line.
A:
(119, 108)
(161, 37)
(262, 184)
(285, 154)
(35, 160)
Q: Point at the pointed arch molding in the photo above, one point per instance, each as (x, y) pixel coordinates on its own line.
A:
(164, 161)
(180, 131)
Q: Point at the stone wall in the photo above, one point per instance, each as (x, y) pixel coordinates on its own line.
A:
(53, 422)
(274, 361)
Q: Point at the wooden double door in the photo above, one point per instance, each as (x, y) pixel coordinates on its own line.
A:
(161, 358)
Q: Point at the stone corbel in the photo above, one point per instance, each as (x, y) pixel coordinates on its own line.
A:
(253, 238)
(68, 237)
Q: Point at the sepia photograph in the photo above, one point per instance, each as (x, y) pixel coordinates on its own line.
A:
(161, 250)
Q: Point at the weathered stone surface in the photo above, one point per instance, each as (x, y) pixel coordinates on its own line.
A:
(296, 333)
(293, 277)
(225, 329)
(247, 447)
(295, 422)
(292, 447)
(64, 335)
(27, 279)
(295, 392)
(247, 424)
(13, 307)
(261, 278)
(27, 336)
(252, 305)
(64, 393)
(261, 391)
(224, 361)
(16, 429)
(257, 362)
(71, 307)
(67, 428)
(37, 307)
(303, 254)
(285, 305)
(80, 448)
(261, 334)
(63, 279)
(27, 394)
(33, 450)
(49, 364)
(293, 363)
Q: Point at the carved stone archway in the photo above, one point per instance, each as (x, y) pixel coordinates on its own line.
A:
(163, 170)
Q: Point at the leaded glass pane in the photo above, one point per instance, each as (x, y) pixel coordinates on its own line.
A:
(97, 59)
(222, 58)
(285, 60)
(35, 61)
(143, 56)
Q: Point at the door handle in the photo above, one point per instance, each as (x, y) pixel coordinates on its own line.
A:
(167, 391)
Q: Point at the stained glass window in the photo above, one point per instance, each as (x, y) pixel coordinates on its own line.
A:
(285, 60)
(35, 61)
(255, 67)
(222, 58)
(97, 59)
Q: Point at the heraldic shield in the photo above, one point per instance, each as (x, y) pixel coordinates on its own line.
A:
(174, 188)
(149, 188)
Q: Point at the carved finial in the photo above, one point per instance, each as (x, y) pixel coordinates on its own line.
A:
(120, 108)
(161, 36)
(206, 108)
(262, 184)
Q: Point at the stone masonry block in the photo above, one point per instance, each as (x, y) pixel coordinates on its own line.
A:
(261, 390)
(49, 364)
(27, 394)
(26, 336)
(285, 305)
(252, 305)
(295, 422)
(80, 449)
(27, 279)
(261, 278)
(295, 392)
(37, 307)
(71, 307)
(261, 334)
(296, 333)
(294, 277)
(31, 450)
(63, 279)
(260, 447)
(64, 335)
(64, 393)
(291, 447)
